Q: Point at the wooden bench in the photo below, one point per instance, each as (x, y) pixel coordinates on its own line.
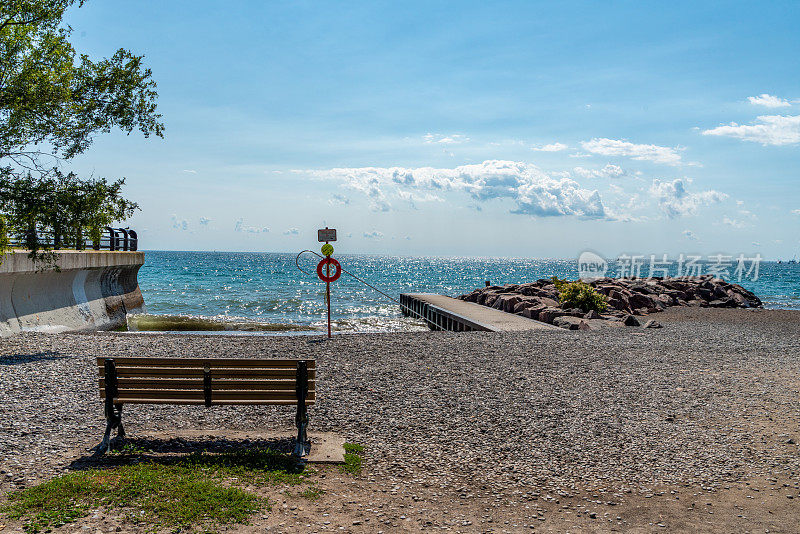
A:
(205, 381)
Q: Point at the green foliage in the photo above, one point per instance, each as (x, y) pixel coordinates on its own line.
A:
(353, 458)
(52, 96)
(193, 490)
(5, 246)
(67, 208)
(581, 295)
(558, 282)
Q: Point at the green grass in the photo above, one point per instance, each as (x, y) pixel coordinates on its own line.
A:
(195, 490)
(312, 493)
(353, 458)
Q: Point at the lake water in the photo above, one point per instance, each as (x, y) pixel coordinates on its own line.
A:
(267, 292)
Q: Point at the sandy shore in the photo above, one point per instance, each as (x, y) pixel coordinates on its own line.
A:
(625, 429)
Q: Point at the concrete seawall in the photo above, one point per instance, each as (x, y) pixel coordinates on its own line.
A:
(91, 290)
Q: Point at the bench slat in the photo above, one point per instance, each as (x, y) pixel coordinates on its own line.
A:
(210, 362)
(196, 402)
(129, 372)
(215, 395)
(194, 383)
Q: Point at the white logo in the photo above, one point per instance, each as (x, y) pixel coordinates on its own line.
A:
(591, 266)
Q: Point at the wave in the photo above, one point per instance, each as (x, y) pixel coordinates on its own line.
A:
(223, 324)
(187, 323)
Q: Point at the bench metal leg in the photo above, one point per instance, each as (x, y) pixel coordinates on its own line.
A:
(302, 445)
(113, 420)
(113, 412)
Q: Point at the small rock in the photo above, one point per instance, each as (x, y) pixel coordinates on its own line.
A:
(630, 320)
(652, 323)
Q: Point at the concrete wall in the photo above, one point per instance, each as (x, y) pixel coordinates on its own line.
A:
(91, 290)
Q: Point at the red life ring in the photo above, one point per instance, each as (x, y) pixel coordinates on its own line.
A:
(332, 278)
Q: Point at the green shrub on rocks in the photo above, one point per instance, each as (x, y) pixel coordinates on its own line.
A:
(580, 295)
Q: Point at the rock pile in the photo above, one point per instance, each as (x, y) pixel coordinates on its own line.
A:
(626, 297)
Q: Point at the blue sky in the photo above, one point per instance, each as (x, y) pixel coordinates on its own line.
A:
(465, 128)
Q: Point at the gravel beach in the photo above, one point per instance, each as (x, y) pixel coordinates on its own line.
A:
(497, 420)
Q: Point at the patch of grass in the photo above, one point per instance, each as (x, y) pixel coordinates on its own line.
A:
(353, 458)
(312, 493)
(252, 465)
(127, 450)
(195, 490)
(353, 448)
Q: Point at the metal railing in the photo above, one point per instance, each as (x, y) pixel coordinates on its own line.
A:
(123, 239)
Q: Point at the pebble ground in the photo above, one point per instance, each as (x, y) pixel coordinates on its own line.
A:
(711, 398)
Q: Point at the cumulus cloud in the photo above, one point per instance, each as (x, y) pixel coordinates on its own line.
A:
(413, 198)
(618, 147)
(688, 234)
(373, 235)
(796, 212)
(455, 139)
(533, 191)
(178, 223)
(553, 147)
(768, 101)
(240, 226)
(766, 129)
(675, 200)
(609, 171)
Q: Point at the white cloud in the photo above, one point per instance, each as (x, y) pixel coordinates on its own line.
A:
(339, 199)
(796, 212)
(675, 200)
(454, 139)
(292, 231)
(617, 147)
(756, 244)
(768, 101)
(767, 129)
(190, 171)
(412, 198)
(533, 191)
(733, 222)
(553, 147)
(178, 223)
(204, 221)
(373, 235)
(609, 171)
(688, 234)
(240, 226)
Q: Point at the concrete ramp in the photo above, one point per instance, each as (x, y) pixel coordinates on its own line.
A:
(447, 313)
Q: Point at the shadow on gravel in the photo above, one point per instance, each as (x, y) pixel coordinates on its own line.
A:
(18, 359)
(174, 450)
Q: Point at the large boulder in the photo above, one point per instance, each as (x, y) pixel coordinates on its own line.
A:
(548, 314)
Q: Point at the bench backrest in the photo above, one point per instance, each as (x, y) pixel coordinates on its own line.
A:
(207, 380)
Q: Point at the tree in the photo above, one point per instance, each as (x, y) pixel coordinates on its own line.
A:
(53, 101)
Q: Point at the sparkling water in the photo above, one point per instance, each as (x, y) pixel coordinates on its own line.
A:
(267, 292)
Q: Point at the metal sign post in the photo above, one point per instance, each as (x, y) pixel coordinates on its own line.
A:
(328, 234)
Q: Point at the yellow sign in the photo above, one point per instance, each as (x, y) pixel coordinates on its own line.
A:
(327, 249)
